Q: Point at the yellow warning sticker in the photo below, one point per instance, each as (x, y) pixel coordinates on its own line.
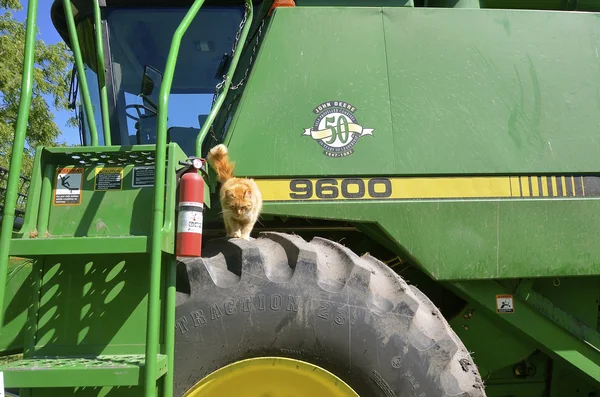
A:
(108, 178)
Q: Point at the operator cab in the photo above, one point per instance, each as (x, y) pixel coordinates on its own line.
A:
(137, 39)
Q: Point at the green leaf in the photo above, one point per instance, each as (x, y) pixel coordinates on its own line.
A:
(51, 78)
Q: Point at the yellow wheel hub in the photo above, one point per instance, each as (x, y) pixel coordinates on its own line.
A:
(271, 377)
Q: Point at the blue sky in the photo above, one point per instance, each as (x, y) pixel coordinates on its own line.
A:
(48, 34)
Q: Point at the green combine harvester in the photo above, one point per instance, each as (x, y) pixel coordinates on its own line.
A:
(429, 171)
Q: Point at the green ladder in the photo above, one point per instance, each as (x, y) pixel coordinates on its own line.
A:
(74, 263)
(102, 309)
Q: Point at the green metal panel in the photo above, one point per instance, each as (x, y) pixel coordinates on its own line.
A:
(105, 209)
(355, 3)
(473, 240)
(105, 213)
(92, 305)
(74, 245)
(340, 57)
(504, 383)
(482, 334)
(87, 327)
(107, 391)
(578, 296)
(565, 382)
(567, 320)
(17, 290)
(447, 91)
(491, 94)
(536, 325)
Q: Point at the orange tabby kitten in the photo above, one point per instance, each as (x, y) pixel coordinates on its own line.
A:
(240, 197)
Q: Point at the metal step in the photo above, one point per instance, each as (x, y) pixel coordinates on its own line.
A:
(79, 245)
(105, 370)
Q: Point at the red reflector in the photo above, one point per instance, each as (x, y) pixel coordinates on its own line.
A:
(281, 3)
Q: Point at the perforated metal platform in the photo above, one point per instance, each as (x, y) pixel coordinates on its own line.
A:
(109, 370)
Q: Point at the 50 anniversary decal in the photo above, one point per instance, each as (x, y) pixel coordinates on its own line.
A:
(336, 128)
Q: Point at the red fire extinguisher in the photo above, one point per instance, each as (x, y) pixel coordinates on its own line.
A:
(191, 205)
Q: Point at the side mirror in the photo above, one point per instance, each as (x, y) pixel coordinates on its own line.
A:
(151, 82)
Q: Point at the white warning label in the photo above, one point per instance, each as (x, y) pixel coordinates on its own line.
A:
(143, 176)
(189, 222)
(67, 189)
(505, 304)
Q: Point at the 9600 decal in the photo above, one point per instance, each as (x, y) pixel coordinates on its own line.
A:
(349, 188)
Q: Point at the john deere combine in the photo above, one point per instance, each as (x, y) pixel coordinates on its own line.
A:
(450, 145)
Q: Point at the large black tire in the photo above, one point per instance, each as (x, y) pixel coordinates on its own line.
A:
(278, 295)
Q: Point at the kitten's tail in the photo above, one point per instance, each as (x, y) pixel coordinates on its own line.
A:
(219, 161)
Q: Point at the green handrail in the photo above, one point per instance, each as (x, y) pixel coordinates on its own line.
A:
(10, 200)
(101, 75)
(169, 331)
(152, 330)
(228, 77)
(85, 93)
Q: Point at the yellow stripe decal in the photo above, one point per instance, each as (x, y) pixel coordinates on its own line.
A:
(525, 186)
(423, 188)
(516, 188)
(544, 186)
(535, 186)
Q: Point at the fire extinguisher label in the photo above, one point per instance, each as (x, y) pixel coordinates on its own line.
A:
(189, 222)
(191, 204)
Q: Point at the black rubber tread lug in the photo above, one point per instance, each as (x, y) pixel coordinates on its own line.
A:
(360, 277)
(342, 266)
(198, 274)
(456, 367)
(387, 290)
(181, 298)
(446, 351)
(243, 259)
(250, 257)
(277, 266)
(222, 263)
(302, 258)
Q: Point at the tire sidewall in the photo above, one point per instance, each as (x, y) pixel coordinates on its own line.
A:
(299, 319)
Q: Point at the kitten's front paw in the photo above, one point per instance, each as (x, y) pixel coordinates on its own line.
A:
(237, 234)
